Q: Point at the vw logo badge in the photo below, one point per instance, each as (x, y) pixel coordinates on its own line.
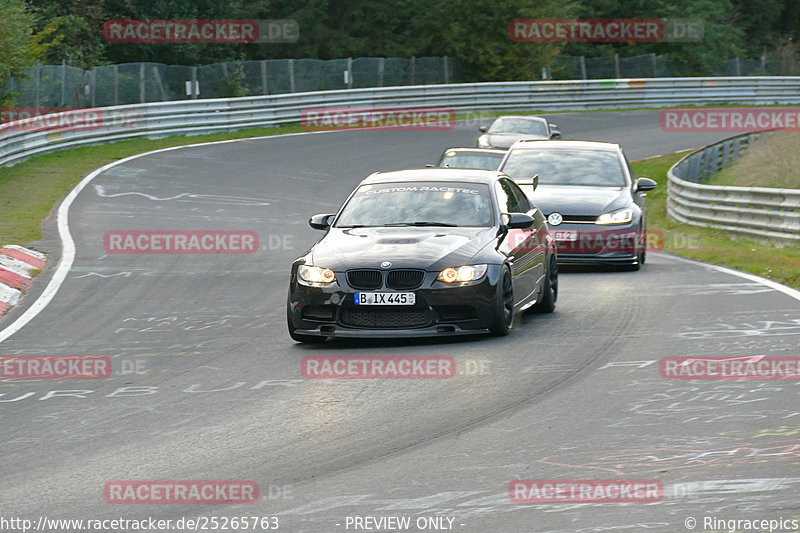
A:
(555, 219)
(386, 264)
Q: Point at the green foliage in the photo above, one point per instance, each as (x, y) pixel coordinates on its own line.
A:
(19, 45)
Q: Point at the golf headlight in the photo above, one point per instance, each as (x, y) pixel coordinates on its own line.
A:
(620, 216)
(483, 141)
(316, 275)
(462, 273)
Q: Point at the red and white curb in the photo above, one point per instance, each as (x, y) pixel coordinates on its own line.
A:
(16, 265)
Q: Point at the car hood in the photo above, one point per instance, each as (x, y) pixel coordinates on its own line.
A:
(578, 199)
(505, 140)
(431, 248)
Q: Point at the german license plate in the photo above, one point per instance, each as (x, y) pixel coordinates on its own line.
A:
(569, 236)
(384, 298)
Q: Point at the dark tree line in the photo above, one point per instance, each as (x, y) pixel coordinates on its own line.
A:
(473, 33)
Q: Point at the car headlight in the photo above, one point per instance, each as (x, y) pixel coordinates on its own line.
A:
(316, 275)
(462, 273)
(620, 216)
(483, 141)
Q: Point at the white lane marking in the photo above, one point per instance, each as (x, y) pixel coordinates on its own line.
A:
(788, 291)
(68, 244)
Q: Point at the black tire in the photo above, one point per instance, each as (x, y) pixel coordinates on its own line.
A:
(504, 305)
(547, 303)
(307, 339)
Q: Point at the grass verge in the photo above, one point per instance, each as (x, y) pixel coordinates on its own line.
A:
(718, 247)
(773, 161)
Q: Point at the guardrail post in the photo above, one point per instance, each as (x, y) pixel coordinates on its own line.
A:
(291, 75)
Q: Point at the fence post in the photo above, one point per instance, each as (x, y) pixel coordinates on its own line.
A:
(291, 75)
(616, 65)
(195, 87)
(264, 76)
(94, 84)
(37, 78)
(141, 83)
(381, 62)
(63, 82)
(738, 64)
(446, 74)
(583, 67)
(349, 72)
(413, 70)
(655, 72)
(116, 84)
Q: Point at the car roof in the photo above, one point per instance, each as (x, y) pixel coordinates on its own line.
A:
(570, 145)
(471, 175)
(524, 117)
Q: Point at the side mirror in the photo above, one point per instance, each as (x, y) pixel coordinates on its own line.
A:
(320, 221)
(519, 220)
(534, 181)
(555, 133)
(484, 129)
(645, 184)
(430, 166)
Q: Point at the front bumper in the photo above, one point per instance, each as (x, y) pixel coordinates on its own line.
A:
(439, 310)
(599, 244)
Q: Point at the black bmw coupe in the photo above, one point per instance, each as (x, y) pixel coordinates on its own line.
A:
(424, 252)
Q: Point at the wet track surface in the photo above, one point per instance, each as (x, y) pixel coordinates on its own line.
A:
(218, 393)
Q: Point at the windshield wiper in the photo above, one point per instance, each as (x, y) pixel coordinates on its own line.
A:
(422, 223)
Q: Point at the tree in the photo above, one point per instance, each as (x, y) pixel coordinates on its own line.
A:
(19, 46)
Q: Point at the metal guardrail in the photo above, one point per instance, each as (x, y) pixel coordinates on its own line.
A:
(208, 116)
(757, 212)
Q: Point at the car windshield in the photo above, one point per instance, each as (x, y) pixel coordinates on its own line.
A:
(418, 203)
(566, 167)
(519, 125)
(471, 160)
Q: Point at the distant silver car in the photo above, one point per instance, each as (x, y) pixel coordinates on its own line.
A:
(481, 158)
(507, 130)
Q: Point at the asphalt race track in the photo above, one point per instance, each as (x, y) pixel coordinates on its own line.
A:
(206, 382)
